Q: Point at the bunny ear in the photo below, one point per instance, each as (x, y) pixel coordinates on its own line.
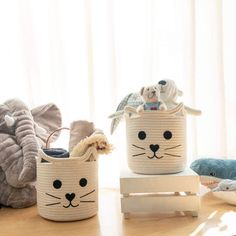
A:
(47, 117)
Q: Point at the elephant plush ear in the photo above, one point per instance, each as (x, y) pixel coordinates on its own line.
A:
(47, 117)
(4, 110)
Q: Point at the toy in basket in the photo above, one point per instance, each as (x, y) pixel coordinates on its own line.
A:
(155, 129)
(67, 188)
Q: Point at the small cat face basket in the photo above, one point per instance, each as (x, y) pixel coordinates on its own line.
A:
(156, 140)
(67, 188)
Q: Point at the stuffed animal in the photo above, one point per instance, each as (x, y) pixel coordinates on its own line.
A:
(151, 99)
(83, 136)
(226, 185)
(168, 94)
(226, 191)
(212, 171)
(97, 140)
(22, 133)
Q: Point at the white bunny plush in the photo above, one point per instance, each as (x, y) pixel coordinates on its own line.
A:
(169, 94)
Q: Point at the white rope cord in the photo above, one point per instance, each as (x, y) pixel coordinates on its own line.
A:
(148, 150)
(67, 188)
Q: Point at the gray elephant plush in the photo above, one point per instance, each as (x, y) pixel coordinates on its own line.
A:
(22, 133)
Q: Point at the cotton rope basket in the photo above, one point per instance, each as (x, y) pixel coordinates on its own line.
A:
(156, 140)
(67, 188)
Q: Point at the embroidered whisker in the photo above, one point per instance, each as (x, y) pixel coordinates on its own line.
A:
(172, 155)
(52, 196)
(87, 201)
(138, 154)
(172, 147)
(87, 193)
(51, 204)
(138, 147)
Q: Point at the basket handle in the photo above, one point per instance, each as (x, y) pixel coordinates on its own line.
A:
(56, 130)
(89, 155)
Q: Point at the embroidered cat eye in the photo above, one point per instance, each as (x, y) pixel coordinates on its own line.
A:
(83, 182)
(57, 184)
(167, 135)
(142, 135)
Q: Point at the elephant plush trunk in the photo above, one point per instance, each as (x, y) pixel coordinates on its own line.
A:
(26, 138)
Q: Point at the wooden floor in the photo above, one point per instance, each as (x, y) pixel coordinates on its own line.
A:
(215, 218)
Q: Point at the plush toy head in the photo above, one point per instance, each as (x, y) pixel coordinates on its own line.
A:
(150, 94)
(226, 185)
(45, 119)
(212, 171)
(151, 98)
(168, 90)
(226, 191)
(30, 130)
(22, 133)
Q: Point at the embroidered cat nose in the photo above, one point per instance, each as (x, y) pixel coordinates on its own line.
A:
(153, 147)
(70, 196)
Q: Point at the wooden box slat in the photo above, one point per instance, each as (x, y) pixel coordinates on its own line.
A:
(159, 203)
(159, 193)
(186, 181)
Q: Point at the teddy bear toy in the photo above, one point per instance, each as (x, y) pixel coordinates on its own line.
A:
(151, 99)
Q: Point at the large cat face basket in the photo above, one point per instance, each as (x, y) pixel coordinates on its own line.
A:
(156, 140)
(67, 188)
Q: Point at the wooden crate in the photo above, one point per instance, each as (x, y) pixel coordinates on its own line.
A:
(159, 193)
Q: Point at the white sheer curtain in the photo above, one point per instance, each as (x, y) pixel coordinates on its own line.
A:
(86, 55)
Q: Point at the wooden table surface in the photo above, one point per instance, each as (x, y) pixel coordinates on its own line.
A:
(215, 218)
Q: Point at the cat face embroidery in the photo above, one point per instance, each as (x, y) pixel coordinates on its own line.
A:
(155, 147)
(58, 196)
(67, 189)
(156, 141)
